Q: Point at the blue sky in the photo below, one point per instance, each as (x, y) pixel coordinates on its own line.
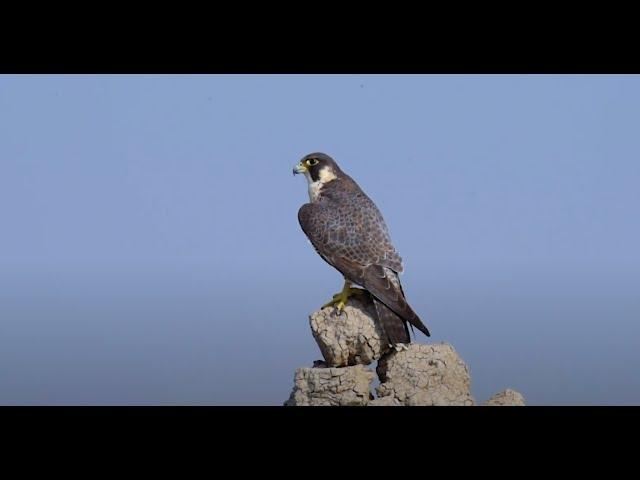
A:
(150, 251)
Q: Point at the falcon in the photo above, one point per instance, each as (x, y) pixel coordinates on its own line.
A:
(347, 230)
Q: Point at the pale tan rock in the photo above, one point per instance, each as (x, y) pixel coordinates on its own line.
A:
(425, 375)
(346, 386)
(506, 398)
(351, 338)
(389, 401)
(431, 374)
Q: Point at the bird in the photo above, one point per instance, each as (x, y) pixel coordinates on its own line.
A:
(348, 231)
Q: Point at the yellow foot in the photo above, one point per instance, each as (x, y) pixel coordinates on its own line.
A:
(340, 299)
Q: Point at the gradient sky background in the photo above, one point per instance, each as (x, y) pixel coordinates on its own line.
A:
(150, 251)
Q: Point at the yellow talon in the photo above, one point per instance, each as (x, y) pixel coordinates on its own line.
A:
(340, 299)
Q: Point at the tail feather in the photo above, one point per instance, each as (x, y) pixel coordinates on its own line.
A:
(393, 326)
(382, 283)
(388, 290)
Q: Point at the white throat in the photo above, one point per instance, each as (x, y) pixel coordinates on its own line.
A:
(326, 175)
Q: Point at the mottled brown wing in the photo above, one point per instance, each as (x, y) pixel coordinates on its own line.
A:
(346, 222)
(318, 223)
(382, 283)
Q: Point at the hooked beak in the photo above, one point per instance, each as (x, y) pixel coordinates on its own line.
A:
(299, 168)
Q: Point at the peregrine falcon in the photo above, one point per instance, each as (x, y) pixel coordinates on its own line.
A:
(347, 230)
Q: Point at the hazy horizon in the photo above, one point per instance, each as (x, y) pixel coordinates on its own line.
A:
(151, 254)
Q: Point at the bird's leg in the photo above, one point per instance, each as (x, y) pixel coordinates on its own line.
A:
(340, 299)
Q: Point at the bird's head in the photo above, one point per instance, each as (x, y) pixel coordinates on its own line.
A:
(318, 167)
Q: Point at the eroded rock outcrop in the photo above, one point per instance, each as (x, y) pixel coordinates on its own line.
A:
(425, 375)
(421, 375)
(351, 337)
(506, 398)
(344, 386)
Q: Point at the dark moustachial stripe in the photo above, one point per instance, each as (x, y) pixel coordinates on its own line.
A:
(348, 231)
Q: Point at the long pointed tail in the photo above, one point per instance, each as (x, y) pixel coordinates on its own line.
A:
(393, 326)
(382, 283)
(385, 286)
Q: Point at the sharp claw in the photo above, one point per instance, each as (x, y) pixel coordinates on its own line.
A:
(340, 299)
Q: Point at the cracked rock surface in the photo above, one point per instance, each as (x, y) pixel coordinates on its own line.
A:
(421, 375)
(506, 398)
(425, 375)
(351, 338)
(385, 402)
(331, 386)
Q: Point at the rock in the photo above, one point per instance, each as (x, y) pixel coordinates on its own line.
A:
(389, 401)
(351, 338)
(431, 374)
(506, 398)
(331, 386)
(425, 375)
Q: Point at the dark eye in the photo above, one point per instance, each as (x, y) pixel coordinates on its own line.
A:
(312, 161)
